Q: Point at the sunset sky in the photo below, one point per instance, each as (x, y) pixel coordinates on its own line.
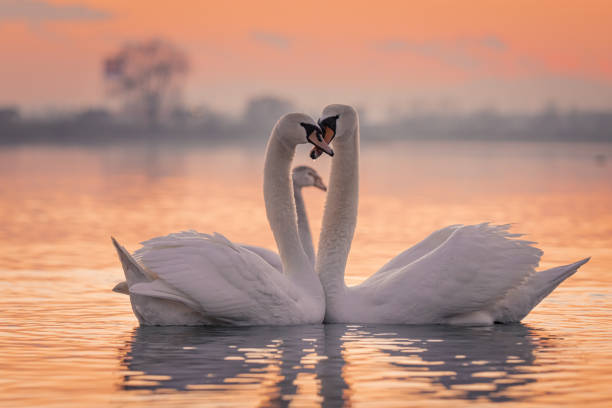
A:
(381, 55)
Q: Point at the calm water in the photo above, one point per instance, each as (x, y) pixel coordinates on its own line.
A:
(66, 340)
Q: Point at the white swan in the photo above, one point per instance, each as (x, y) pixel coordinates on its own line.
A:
(190, 278)
(473, 274)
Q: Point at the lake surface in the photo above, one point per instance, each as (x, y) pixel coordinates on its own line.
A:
(66, 340)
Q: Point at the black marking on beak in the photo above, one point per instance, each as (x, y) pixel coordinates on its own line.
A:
(325, 124)
(318, 140)
(309, 127)
(330, 122)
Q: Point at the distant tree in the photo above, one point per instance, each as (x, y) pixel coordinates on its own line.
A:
(93, 116)
(148, 75)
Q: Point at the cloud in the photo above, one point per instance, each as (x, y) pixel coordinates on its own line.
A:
(493, 42)
(36, 11)
(271, 39)
(465, 53)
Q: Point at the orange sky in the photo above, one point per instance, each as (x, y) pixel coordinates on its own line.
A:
(382, 54)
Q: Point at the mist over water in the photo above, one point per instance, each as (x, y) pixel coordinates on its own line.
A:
(67, 340)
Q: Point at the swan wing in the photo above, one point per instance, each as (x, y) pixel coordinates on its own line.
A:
(433, 241)
(159, 289)
(267, 255)
(229, 283)
(471, 270)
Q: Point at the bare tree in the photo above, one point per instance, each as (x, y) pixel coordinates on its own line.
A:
(147, 74)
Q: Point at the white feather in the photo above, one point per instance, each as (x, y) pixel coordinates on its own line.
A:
(474, 274)
(194, 278)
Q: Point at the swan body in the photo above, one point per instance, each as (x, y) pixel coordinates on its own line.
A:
(460, 275)
(189, 278)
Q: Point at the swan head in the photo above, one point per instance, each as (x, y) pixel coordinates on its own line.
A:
(335, 120)
(304, 176)
(298, 128)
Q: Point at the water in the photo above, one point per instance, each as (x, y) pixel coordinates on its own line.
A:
(66, 340)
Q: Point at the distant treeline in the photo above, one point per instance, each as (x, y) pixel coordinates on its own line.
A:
(100, 126)
(547, 125)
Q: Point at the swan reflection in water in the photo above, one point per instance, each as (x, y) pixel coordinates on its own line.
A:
(333, 364)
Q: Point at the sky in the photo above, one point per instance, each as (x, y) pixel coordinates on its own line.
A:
(383, 56)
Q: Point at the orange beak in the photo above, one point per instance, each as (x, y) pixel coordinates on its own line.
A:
(328, 136)
(320, 143)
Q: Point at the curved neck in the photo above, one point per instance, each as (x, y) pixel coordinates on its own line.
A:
(302, 223)
(339, 219)
(280, 209)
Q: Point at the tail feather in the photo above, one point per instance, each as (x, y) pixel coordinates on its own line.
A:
(521, 300)
(542, 283)
(122, 287)
(160, 290)
(134, 273)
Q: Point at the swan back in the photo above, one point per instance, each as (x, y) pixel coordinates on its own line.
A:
(472, 270)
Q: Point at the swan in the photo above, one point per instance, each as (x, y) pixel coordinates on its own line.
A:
(189, 278)
(459, 275)
(302, 176)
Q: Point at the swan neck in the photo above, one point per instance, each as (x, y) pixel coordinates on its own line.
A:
(339, 219)
(302, 224)
(280, 208)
